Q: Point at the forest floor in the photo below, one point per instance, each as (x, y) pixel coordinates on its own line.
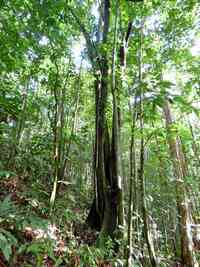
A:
(31, 234)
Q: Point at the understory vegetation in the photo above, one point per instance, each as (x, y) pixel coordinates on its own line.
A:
(99, 133)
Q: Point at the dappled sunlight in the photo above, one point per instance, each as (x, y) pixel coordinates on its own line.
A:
(99, 133)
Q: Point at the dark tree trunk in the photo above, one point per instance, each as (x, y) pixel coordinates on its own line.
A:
(106, 207)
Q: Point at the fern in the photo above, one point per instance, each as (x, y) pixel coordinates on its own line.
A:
(7, 240)
(7, 209)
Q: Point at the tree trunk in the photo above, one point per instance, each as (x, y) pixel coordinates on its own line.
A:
(107, 209)
(180, 172)
(132, 187)
(141, 178)
(115, 146)
(19, 127)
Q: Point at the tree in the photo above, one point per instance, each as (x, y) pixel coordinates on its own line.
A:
(180, 171)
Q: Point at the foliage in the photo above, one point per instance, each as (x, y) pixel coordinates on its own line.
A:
(52, 56)
(7, 240)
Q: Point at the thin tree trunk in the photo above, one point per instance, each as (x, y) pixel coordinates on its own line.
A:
(147, 235)
(56, 139)
(195, 147)
(18, 129)
(58, 125)
(73, 127)
(132, 188)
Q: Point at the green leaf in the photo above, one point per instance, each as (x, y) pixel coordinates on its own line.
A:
(7, 251)
(6, 174)
(7, 240)
(166, 84)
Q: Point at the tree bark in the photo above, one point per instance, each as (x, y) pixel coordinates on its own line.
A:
(180, 172)
(132, 187)
(141, 178)
(107, 214)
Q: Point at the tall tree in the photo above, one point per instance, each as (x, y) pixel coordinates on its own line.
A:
(180, 171)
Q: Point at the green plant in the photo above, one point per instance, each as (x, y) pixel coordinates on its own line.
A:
(7, 209)
(89, 255)
(7, 240)
(6, 174)
(92, 255)
(40, 249)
